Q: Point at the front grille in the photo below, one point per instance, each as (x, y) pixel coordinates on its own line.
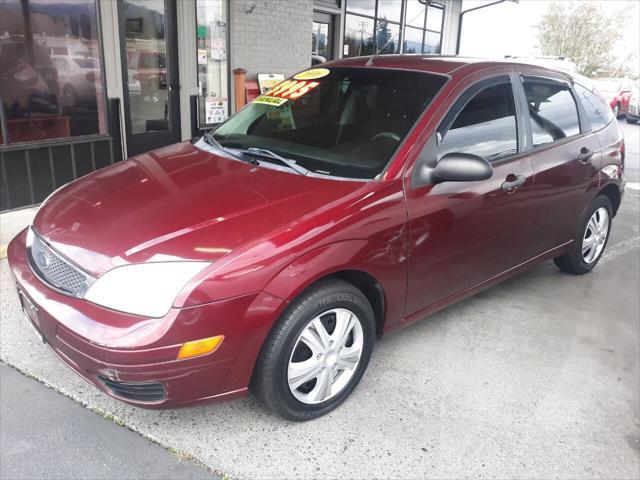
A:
(55, 270)
(142, 392)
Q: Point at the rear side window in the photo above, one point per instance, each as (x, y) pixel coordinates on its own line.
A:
(486, 126)
(553, 112)
(599, 113)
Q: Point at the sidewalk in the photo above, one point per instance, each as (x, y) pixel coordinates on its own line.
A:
(47, 435)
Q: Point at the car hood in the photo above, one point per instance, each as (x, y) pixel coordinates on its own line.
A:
(176, 203)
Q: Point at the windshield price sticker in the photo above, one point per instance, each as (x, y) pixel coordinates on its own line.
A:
(287, 90)
(312, 74)
(267, 100)
(292, 89)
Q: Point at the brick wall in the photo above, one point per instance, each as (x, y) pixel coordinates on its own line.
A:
(270, 36)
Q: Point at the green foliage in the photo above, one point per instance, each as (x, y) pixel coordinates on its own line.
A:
(585, 33)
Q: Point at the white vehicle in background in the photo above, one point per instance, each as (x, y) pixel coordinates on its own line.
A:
(77, 77)
(135, 87)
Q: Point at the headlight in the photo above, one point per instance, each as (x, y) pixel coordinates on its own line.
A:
(147, 289)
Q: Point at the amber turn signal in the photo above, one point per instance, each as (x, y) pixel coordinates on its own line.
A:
(200, 347)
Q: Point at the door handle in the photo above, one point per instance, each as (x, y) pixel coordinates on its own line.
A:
(513, 182)
(585, 155)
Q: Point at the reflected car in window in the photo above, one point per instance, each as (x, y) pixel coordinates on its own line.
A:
(77, 77)
(348, 201)
(617, 92)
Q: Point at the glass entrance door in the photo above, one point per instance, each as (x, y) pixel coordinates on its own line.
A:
(150, 73)
(322, 38)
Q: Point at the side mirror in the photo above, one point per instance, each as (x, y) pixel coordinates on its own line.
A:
(462, 167)
(454, 167)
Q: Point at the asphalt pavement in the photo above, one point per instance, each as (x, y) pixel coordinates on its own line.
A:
(538, 377)
(44, 434)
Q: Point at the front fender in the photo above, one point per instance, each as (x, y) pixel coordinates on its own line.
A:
(382, 261)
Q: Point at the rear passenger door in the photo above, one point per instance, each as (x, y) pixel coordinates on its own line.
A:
(565, 155)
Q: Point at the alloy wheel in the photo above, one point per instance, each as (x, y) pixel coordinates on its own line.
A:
(595, 235)
(325, 356)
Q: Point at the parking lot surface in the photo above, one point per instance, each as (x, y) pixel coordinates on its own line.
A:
(538, 377)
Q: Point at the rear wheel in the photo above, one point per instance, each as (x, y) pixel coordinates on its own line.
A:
(317, 353)
(591, 239)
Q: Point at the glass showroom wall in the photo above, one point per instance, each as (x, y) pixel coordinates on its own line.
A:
(52, 94)
(373, 26)
(213, 69)
(50, 70)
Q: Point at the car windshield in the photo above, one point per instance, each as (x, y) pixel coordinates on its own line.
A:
(87, 62)
(344, 122)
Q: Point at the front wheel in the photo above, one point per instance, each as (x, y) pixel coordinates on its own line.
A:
(317, 353)
(632, 121)
(591, 239)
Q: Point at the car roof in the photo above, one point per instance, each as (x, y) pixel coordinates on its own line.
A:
(440, 64)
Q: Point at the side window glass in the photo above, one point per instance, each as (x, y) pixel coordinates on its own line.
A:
(486, 126)
(553, 112)
(597, 110)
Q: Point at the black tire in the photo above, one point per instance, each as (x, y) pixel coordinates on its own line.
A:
(632, 121)
(573, 261)
(269, 381)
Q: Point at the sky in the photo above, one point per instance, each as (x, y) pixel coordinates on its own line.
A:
(510, 28)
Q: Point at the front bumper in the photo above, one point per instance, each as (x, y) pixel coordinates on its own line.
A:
(133, 358)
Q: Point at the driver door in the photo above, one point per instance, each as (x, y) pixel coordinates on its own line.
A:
(464, 233)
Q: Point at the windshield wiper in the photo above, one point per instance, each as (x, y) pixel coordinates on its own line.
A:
(264, 153)
(211, 140)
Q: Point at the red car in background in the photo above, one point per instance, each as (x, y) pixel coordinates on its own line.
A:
(346, 202)
(617, 92)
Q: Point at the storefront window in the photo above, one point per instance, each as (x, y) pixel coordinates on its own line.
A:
(429, 37)
(319, 38)
(147, 76)
(423, 32)
(50, 70)
(415, 13)
(358, 36)
(213, 81)
(387, 39)
(390, 10)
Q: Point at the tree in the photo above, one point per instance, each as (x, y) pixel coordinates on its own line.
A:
(383, 36)
(583, 32)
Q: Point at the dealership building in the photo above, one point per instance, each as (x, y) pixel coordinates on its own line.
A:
(86, 83)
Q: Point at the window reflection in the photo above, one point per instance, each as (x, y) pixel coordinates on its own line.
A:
(319, 39)
(50, 73)
(144, 26)
(415, 13)
(413, 40)
(370, 25)
(212, 61)
(358, 36)
(434, 18)
(365, 7)
(486, 126)
(390, 10)
(387, 37)
(553, 112)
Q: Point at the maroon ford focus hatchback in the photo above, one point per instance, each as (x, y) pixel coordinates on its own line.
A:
(347, 202)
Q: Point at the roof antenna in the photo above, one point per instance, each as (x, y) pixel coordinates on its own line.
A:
(426, 3)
